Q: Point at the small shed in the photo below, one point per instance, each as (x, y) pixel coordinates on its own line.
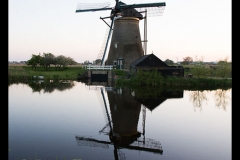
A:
(151, 62)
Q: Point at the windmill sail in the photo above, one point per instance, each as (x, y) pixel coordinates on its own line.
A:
(88, 7)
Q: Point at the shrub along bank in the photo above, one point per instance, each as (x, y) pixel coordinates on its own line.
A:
(155, 79)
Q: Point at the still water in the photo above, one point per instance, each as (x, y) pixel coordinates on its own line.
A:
(78, 121)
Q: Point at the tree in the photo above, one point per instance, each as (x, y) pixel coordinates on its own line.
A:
(169, 62)
(86, 62)
(223, 68)
(47, 60)
(187, 60)
(98, 61)
(199, 68)
(34, 61)
(61, 62)
(70, 61)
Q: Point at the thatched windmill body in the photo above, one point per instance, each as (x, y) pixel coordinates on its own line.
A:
(126, 44)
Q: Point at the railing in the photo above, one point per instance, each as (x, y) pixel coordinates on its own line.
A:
(106, 88)
(96, 67)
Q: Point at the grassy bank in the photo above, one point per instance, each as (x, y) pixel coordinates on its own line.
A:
(152, 79)
(26, 73)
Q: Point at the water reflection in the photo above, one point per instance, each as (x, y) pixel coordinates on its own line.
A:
(123, 114)
(200, 96)
(221, 98)
(149, 97)
(66, 122)
(122, 127)
(152, 97)
(48, 87)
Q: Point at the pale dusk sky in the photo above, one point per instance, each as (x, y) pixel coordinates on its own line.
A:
(198, 29)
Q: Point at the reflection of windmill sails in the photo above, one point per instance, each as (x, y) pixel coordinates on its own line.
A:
(123, 124)
(126, 44)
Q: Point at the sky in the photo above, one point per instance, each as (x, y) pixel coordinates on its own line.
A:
(187, 28)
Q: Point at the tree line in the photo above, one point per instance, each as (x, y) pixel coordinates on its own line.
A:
(47, 59)
(222, 68)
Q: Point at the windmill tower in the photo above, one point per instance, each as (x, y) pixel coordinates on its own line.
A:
(126, 44)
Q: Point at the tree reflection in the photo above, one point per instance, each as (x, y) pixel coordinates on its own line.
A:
(49, 87)
(198, 97)
(221, 98)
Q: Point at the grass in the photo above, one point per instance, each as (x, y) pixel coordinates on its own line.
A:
(23, 73)
(68, 73)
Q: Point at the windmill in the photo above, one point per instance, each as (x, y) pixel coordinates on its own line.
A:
(126, 45)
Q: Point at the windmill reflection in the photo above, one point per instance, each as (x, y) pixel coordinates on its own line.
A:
(123, 115)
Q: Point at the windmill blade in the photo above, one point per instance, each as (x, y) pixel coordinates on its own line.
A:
(92, 7)
(100, 54)
(152, 11)
(91, 142)
(109, 35)
(142, 5)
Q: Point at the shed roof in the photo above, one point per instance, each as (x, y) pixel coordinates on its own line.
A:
(151, 59)
(139, 60)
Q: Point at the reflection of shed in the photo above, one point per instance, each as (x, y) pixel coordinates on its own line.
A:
(151, 62)
(156, 99)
